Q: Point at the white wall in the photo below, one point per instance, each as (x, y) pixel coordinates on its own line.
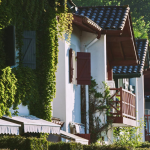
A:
(139, 90)
(23, 110)
(98, 56)
(67, 104)
(141, 101)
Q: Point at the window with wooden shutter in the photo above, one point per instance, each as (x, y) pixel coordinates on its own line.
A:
(29, 49)
(83, 68)
(9, 45)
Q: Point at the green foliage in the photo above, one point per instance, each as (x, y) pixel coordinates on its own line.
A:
(35, 87)
(144, 145)
(65, 23)
(7, 90)
(26, 86)
(140, 28)
(105, 147)
(65, 146)
(21, 143)
(31, 143)
(98, 104)
(130, 136)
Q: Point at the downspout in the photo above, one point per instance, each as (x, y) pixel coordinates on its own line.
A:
(87, 87)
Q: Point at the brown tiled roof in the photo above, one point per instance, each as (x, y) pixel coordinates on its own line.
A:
(142, 47)
(107, 17)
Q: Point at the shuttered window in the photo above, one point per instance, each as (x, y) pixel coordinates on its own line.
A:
(9, 45)
(83, 68)
(29, 49)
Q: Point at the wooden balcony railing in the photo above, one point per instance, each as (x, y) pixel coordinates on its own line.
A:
(147, 127)
(123, 103)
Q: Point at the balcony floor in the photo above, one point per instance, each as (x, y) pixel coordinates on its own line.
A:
(122, 122)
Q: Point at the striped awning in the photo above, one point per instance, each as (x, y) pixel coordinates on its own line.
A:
(7, 127)
(32, 124)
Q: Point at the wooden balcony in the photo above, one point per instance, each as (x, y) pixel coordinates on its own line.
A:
(123, 108)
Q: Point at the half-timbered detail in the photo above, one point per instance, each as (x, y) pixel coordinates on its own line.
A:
(123, 112)
(83, 68)
(29, 49)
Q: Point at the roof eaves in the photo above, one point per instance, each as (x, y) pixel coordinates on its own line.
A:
(131, 75)
(88, 22)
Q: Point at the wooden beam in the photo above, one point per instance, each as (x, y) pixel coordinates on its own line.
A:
(117, 39)
(109, 52)
(122, 50)
(109, 71)
(146, 72)
(112, 32)
(146, 93)
(124, 63)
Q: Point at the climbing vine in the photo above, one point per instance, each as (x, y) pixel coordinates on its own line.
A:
(99, 97)
(7, 90)
(35, 87)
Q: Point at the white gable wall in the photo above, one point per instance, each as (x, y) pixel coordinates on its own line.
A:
(67, 104)
(98, 56)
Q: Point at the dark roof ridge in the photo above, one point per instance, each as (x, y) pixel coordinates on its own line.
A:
(127, 6)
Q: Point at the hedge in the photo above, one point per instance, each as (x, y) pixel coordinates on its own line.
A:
(32, 143)
(65, 146)
(105, 147)
(21, 143)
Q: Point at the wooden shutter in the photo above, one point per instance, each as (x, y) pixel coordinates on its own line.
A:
(9, 45)
(83, 68)
(70, 65)
(29, 49)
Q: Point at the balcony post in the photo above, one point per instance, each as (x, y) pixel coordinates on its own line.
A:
(121, 101)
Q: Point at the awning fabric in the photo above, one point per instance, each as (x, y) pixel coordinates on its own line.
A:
(73, 137)
(7, 127)
(33, 124)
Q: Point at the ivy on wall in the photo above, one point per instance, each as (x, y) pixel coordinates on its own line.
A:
(35, 88)
(7, 90)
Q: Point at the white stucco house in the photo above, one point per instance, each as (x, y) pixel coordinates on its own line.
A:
(102, 41)
(132, 78)
(102, 46)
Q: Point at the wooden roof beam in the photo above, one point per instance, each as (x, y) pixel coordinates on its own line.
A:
(118, 39)
(123, 62)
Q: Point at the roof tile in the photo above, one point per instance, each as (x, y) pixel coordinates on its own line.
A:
(107, 17)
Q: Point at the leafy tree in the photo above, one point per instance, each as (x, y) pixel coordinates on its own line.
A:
(130, 136)
(140, 28)
(98, 109)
